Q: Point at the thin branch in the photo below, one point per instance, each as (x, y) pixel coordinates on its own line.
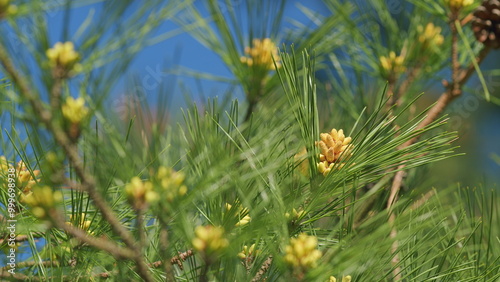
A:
(61, 138)
(47, 263)
(181, 257)
(111, 247)
(410, 78)
(19, 238)
(164, 247)
(454, 89)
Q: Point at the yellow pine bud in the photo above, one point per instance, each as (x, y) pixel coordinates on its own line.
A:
(246, 219)
(64, 59)
(74, 110)
(323, 147)
(247, 252)
(338, 146)
(302, 252)
(63, 54)
(430, 36)
(183, 190)
(334, 134)
(171, 183)
(392, 63)
(458, 4)
(42, 199)
(261, 54)
(330, 155)
(323, 137)
(332, 146)
(242, 215)
(321, 167)
(140, 192)
(209, 239)
(346, 278)
(329, 141)
(347, 140)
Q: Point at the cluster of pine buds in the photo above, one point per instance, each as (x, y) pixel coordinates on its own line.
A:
(42, 200)
(302, 252)
(26, 179)
(333, 145)
(261, 54)
(430, 36)
(393, 64)
(209, 239)
(63, 59)
(458, 4)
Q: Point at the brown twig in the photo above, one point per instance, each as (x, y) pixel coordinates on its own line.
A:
(19, 238)
(164, 247)
(410, 78)
(55, 94)
(47, 263)
(420, 202)
(140, 213)
(181, 257)
(16, 276)
(263, 269)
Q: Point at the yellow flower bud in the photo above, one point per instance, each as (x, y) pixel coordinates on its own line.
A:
(295, 215)
(458, 4)
(392, 64)
(247, 252)
(26, 179)
(242, 215)
(209, 239)
(42, 199)
(302, 252)
(430, 36)
(261, 54)
(346, 278)
(140, 192)
(74, 110)
(333, 146)
(171, 183)
(63, 54)
(81, 222)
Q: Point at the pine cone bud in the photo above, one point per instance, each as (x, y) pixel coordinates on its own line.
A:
(486, 23)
